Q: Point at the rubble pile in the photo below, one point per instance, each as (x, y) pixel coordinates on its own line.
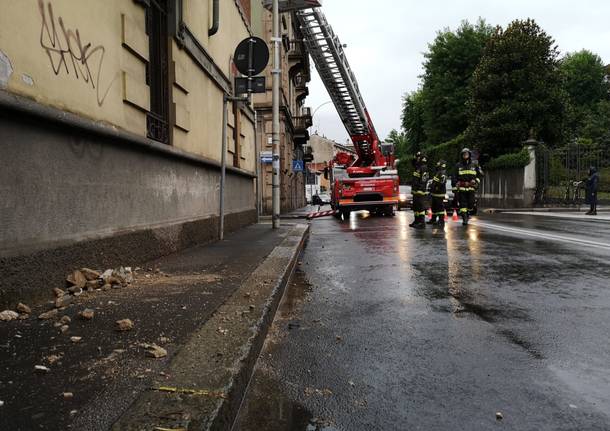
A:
(78, 282)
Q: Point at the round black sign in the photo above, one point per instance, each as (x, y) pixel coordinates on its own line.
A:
(251, 56)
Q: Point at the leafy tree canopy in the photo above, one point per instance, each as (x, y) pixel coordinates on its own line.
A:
(517, 88)
(448, 67)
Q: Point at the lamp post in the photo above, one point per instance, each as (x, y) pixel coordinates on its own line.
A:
(275, 131)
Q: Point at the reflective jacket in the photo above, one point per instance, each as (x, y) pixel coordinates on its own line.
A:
(419, 179)
(439, 184)
(468, 176)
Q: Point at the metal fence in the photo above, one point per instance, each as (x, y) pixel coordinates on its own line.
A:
(561, 173)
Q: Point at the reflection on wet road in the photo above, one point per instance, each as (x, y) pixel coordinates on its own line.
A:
(388, 328)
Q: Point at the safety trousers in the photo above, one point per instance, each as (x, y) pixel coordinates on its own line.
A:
(466, 201)
(419, 207)
(438, 207)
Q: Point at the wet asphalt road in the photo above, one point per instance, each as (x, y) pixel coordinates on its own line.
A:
(387, 328)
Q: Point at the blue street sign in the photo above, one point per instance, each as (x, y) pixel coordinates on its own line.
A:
(297, 166)
(266, 157)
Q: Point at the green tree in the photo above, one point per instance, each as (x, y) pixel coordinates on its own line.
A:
(402, 151)
(413, 121)
(596, 124)
(516, 88)
(585, 80)
(584, 76)
(448, 67)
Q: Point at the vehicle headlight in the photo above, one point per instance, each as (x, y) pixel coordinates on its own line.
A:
(403, 197)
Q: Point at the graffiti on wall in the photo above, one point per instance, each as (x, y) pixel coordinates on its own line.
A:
(68, 53)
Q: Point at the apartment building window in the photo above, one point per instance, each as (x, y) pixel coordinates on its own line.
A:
(157, 121)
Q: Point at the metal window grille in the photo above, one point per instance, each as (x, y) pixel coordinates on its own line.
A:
(157, 120)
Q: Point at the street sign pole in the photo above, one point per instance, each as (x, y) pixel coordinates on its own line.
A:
(276, 116)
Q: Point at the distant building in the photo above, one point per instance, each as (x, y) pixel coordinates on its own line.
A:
(295, 118)
(323, 150)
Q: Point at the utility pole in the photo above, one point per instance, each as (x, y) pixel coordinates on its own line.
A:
(276, 72)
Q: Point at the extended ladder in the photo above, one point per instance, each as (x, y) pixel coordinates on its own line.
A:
(328, 55)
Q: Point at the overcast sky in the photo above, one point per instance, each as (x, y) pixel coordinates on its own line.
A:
(386, 40)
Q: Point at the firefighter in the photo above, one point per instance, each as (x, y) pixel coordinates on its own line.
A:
(466, 181)
(438, 189)
(419, 181)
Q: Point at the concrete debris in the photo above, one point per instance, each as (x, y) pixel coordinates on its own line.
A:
(92, 284)
(67, 395)
(51, 359)
(90, 274)
(76, 339)
(8, 315)
(24, 316)
(48, 315)
(124, 325)
(76, 278)
(63, 301)
(75, 290)
(154, 351)
(87, 314)
(106, 287)
(123, 274)
(57, 324)
(58, 292)
(24, 309)
(41, 369)
(163, 340)
(73, 412)
(65, 320)
(499, 416)
(64, 328)
(319, 392)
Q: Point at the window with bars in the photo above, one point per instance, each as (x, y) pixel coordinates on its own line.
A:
(157, 120)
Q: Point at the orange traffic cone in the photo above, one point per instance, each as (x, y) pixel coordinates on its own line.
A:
(429, 213)
(455, 215)
(446, 216)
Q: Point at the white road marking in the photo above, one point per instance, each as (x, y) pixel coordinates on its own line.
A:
(542, 235)
(574, 216)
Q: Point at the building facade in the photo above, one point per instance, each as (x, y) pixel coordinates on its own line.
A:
(323, 151)
(111, 129)
(295, 118)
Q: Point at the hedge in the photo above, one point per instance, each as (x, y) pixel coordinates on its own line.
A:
(510, 161)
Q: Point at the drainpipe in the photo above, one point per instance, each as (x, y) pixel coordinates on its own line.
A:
(215, 18)
(223, 166)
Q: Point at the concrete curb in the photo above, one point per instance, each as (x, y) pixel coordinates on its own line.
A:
(218, 360)
(543, 210)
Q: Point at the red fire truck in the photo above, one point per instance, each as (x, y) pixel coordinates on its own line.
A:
(370, 180)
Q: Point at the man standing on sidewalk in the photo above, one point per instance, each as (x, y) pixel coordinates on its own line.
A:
(419, 180)
(592, 183)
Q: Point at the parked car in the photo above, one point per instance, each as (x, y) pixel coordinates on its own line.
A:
(322, 198)
(405, 198)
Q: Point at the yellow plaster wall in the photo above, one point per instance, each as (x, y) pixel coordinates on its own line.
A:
(80, 70)
(113, 88)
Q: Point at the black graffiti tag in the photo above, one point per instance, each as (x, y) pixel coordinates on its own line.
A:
(66, 51)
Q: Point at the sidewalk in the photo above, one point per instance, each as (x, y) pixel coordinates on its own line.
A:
(300, 213)
(583, 209)
(190, 304)
(600, 217)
